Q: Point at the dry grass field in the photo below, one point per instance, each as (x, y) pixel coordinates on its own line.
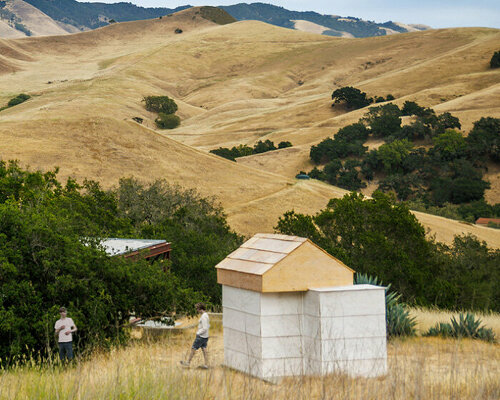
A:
(234, 84)
(419, 368)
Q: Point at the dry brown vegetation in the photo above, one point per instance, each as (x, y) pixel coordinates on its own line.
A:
(234, 84)
(419, 368)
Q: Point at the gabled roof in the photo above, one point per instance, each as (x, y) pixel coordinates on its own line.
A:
(271, 262)
(257, 255)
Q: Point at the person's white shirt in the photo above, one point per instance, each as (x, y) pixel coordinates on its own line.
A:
(203, 325)
(68, 325)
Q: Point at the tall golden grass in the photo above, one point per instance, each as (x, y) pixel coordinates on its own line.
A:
(419, 368)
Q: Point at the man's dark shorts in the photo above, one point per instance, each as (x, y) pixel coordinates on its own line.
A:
(200, 342)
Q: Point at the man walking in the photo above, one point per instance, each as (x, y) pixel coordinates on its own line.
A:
(201, 337)
(64, 329)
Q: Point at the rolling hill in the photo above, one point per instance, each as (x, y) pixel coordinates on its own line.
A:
(72, 16)
(235, 83)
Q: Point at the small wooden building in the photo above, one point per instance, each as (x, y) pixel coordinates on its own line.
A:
(290, 308)
(488, 221)
(148, 249)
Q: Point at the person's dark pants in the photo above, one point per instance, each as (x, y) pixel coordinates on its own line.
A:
(66, 351)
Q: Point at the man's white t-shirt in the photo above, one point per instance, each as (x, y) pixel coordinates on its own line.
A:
(203, 326)
(68, 324)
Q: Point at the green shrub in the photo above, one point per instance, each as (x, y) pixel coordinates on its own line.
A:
(263, 147)
(398, 320)
(20, 98)
(495, 60)
(283, 145)
(160, 104)
(167, 121)
(467, 326)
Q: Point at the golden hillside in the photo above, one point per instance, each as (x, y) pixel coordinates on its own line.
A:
(234, 84)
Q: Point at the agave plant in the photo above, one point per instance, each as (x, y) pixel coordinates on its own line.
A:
(398, 319)
(467, 326)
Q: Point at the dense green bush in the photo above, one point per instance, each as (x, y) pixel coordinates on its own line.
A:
(20, 98)
(244, 150)
(467, 326)
(284, 144)
(160, 104)
(263, 146)
(167, 121)
(495, 60)
(231, 154)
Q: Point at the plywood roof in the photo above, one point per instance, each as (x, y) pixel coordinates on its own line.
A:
(279, 263)
(259, 254)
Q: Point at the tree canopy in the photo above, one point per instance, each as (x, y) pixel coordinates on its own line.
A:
(382, 238)
(160, 104)
(352, 97)
(50, 256)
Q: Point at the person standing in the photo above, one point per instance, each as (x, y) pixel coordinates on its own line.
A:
(201, 339)
(64, 329)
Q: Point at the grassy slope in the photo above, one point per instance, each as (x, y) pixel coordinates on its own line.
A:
(426, 368)
(234, 84)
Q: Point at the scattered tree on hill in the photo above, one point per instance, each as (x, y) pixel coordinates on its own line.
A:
(244, 150)
(348, 141)
(484, 140)
(167, 121)
(20, 98)
(284, 144)
(404, 186)
(412, 108)
(263, 147)
(349, 176)
(352, 97)
(446, 121)
(384, 120)
(160, 104)
(392, 155)
(495, 60)
(459, 183)
(449, 145)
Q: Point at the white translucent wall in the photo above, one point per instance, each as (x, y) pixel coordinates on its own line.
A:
(346, 331)
(318, 332)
